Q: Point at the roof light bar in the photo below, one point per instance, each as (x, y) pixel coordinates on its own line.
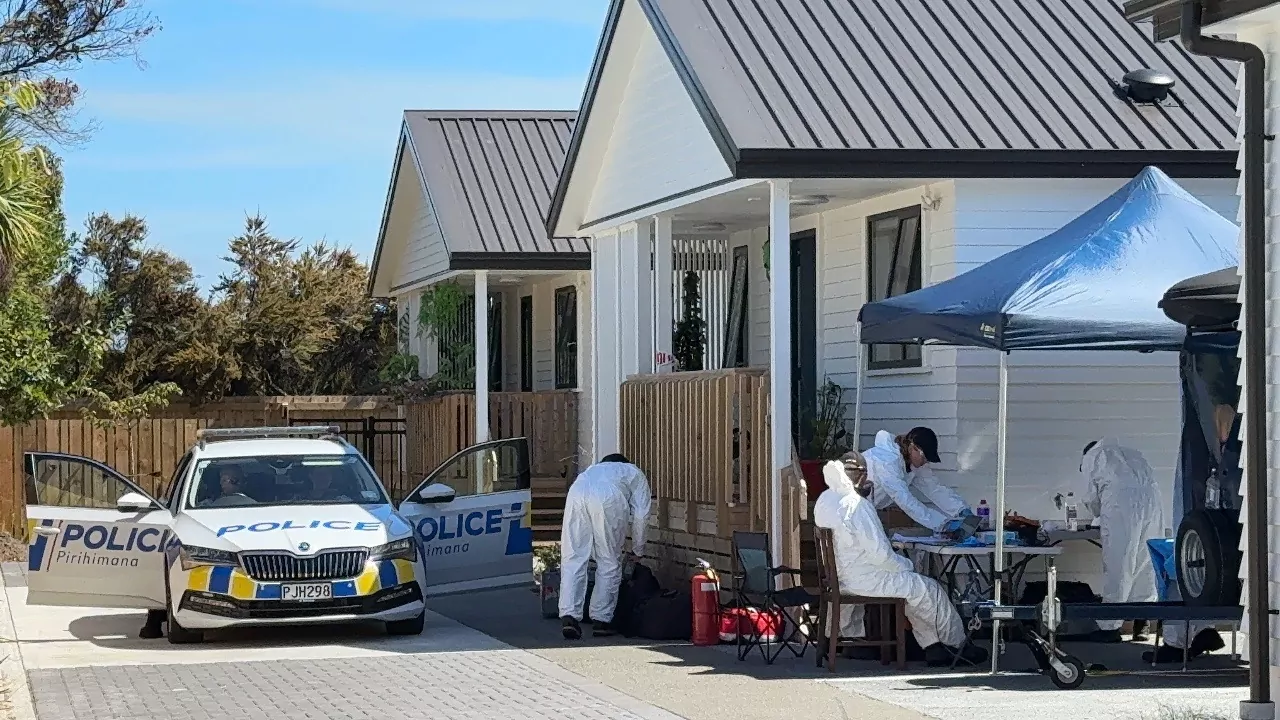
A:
(322, 432)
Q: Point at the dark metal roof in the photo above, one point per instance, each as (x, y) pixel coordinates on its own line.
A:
(935, 88)
(1166, 15)
(491, 175)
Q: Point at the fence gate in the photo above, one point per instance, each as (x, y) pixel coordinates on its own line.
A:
(380, 440)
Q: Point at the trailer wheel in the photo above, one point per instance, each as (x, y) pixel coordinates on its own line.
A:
(1207, 558)
(1070, 674)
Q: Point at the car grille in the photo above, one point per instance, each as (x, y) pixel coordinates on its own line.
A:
(277, 567)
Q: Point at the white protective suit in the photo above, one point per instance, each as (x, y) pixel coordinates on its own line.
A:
(1123, 495)
(866, 565)
(887, 471)
(601, 503)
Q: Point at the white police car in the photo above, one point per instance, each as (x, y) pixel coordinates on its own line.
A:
(263, 526)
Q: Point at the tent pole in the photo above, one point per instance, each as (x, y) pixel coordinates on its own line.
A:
(857, 393)
(1002, 461)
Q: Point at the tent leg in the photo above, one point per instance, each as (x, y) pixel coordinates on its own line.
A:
(1002, 460)
(857, 394)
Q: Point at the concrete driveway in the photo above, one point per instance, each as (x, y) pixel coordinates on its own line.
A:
(87, 663)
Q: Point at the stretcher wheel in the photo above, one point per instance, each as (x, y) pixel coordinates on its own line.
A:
(1069, 677)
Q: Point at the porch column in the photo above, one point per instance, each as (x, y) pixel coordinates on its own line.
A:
(482, 355)
(663, 312)
(630, 301)
(779, 350)
(605, 277)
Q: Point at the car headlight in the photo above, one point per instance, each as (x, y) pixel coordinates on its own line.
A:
(406, 549)
(192, 556)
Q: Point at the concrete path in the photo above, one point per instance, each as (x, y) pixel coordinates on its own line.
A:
(87, 664)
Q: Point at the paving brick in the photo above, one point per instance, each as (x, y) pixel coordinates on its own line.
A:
(460, 686)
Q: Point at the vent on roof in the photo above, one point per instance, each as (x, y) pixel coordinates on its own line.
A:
(1147, 86)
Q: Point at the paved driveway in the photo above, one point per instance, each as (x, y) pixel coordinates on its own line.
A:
(87, 664)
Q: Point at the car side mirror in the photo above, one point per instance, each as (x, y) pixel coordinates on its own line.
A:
(436, 494)
(135, 503)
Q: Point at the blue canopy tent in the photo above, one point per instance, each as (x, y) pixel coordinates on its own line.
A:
(1095, 284)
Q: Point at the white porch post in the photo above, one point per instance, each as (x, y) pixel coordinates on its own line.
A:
(630, 301)
(663, 312)
(482, 355)
(779, 350)
(605, 277)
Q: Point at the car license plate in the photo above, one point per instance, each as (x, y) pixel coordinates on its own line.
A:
(306, 591)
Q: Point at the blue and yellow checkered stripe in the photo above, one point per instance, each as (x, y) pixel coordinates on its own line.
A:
(377, 576)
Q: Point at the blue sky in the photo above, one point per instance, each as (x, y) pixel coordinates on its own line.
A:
(292, 108)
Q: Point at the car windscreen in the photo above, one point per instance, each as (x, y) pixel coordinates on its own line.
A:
(284, 480)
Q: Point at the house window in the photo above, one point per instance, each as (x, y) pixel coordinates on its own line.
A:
(526, 343)
(896, 268)
(566, 338)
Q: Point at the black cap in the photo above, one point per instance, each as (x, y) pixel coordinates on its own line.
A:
(927, 441)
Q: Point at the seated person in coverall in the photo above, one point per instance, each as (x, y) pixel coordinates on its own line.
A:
(867, 565)
(898, 468)
(602, 502)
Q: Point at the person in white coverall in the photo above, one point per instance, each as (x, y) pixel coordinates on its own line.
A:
(898, 468)
(602, 502)
(866, 565)
(1121, 492)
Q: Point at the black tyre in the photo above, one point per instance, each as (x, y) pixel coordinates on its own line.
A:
(412, 626)
(1208, 559)
(177, 634)
(1069, 677)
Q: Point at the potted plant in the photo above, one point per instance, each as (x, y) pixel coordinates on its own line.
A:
(828, 440)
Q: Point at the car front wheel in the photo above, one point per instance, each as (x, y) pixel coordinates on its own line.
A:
(177, 634)
(412, 626)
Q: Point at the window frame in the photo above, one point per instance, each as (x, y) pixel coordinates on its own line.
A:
(566, 356)
(901, 215)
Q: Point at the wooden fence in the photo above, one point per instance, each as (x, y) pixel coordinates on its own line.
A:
(703, 441)
(148, 450)
(439, 427)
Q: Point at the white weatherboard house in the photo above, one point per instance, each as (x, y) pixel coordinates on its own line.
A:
(883, 145)
(1256, 22)
(467, 204)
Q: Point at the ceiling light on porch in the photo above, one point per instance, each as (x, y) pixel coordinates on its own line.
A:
(710, 227)
(810, 200)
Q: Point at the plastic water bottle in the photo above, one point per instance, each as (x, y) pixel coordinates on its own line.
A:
(984, 515)
(1073, 521)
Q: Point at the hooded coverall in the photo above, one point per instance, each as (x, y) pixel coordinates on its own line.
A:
(1123, 495)
(887, 471)
(866, 565)
(601, 503)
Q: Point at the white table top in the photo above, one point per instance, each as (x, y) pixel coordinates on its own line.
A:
(935, 549)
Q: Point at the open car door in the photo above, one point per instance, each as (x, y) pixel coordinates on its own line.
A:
(94, 538)
(473, 517)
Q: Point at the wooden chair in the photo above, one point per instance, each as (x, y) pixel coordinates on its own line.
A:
(891, 613)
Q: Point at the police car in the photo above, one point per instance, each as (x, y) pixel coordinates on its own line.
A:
(266, 526)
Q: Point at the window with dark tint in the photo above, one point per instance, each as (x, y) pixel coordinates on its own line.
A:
(526, 343)
(73, 483)
(896, 268)
(489, 468)
(566, 338)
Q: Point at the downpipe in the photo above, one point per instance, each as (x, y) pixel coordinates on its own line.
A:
(1259, 706)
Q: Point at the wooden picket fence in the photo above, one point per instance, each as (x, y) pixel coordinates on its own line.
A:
(702, 439)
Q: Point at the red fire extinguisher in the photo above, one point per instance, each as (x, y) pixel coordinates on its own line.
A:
(706, 605)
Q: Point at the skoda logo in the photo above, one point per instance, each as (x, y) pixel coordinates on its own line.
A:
(303, 547)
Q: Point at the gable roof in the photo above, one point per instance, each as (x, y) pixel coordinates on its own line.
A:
(1166, 15)
(933, 88)
(489, 177)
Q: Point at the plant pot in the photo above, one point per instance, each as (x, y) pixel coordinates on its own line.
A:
(813, 480)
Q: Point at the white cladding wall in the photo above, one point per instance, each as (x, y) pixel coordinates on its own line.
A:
(414, 229)
(543, 292)
(1058, 401)
(657, 122)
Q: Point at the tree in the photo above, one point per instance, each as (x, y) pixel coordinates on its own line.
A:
(24, 183)
(40, 39)
(690, 339)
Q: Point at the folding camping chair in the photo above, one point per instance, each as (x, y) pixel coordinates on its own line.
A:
(886, 618)
(756, 586)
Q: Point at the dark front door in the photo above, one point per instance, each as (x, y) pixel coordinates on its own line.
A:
(526, 343)
(495, 342)
(804, 335)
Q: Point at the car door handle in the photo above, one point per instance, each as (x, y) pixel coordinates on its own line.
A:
(45, 530)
